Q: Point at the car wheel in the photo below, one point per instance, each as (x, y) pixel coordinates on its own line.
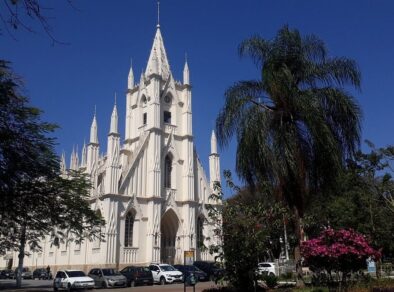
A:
(69, 287)
(211, 278)
(104, 285)
(132, 283)
(162, 281)
(271, 274)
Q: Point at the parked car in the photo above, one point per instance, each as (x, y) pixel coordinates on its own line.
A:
(164, 273)
(107, 278)
(9, 274)
(269, 268)
(137, 276)
(212, 269)
(42, 274)
(26, 273)
(3, 274)
(72, 279)
(187, 270)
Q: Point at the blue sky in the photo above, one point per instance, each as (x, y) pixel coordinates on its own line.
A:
(67, 81)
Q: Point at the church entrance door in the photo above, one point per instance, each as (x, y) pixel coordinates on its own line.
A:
(169, 228)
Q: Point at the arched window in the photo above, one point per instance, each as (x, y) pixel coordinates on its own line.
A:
(128, 232)
(167, 171)
(200, 236)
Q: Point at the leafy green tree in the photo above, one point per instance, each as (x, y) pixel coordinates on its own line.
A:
(296, 124)
(361, 200)
(35, 201)
(250, 228)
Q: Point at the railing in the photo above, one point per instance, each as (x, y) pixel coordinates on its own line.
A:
(170, 128)
(130, 254)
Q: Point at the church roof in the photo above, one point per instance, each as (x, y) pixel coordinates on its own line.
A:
(158, 61)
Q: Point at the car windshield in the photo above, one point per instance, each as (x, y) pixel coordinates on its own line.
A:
(110, 272)
(167, 268)
(143, 269)
(73, 274)
(190, 268)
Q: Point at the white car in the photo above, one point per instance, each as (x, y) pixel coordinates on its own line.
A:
(164, 273)
(268, 268)
(72, 279)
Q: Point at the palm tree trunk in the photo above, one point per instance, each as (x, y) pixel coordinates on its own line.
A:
(297, 248)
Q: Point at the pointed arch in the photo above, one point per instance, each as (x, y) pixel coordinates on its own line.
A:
(129, 228)
(169, 227)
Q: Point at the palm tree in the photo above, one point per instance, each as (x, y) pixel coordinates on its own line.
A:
(297, 124)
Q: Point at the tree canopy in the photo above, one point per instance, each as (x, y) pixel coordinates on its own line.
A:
(35, 200)
(296, 124)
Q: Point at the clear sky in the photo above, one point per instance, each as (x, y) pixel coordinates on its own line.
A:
(67, 81)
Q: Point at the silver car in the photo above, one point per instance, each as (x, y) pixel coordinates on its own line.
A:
(107, 278)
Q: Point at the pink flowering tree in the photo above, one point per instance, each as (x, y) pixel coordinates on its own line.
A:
(344, 251)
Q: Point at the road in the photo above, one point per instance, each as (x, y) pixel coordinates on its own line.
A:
(46, 285)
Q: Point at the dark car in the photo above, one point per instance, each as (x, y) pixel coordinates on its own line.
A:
(137, 276)
(212, 269)
(3, 274)
(42, 274)
(187, 270)
(9, 274)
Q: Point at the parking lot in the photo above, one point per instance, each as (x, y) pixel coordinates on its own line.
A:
(46, 285)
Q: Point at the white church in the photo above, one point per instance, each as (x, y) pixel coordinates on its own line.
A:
(150, 188)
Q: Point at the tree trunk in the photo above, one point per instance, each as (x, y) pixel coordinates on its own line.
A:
(297, 249)
(21, 256)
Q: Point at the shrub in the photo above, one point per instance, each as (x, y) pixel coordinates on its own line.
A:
(271, 281)
(342, 251)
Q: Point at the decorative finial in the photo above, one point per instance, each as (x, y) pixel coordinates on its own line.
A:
(185, 57)
(158, 14)
(94, 110)
(115, 97)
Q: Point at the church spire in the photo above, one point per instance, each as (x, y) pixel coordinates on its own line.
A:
(130, 79)
(214, 143)
(93, 130)
(158, 62)
(63, 166)
(114, 120)
(83, 158)
(214, 161)
(186, 73)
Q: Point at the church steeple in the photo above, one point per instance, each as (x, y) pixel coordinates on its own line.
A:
(214, 161)
(93, 130)
(130, 79)
(63, 166)
(158, 61)
(84, 153)
(186, 74)
(214, 143)
(114, 120)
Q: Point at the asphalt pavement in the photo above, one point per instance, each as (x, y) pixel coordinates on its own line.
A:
(47, 285)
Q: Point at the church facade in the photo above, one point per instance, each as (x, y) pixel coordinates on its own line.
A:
(150, 188)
